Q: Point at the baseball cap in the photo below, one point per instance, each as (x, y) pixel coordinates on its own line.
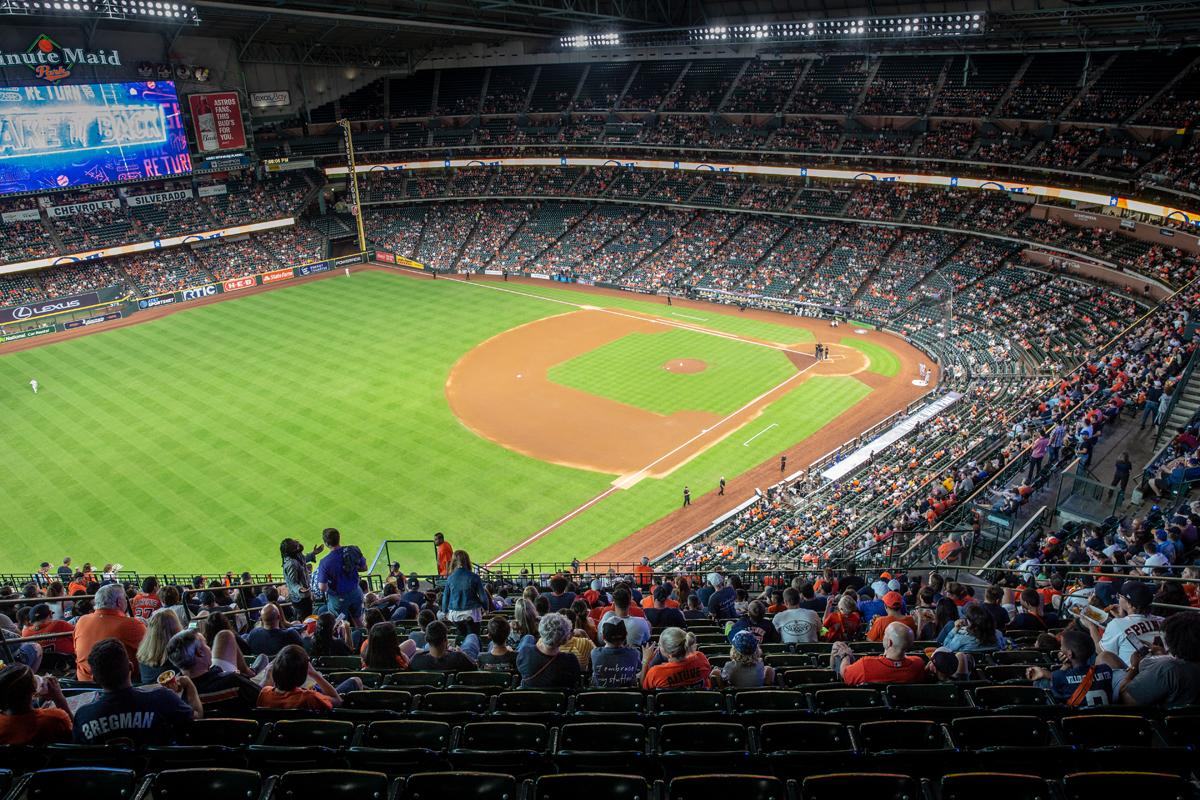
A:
(944, 661)
(45, 564)
(887, 576)
(1137, 593)
(661, 592)
(614, 631)
(413, 583)
(745, 643)
(40, 611)
(207, 597)
(596, 585)
(714, 579)
(893, 600)
(893, 585)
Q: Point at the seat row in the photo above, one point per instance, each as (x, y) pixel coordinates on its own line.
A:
(364, 785)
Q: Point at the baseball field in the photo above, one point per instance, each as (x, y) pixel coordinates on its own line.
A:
(392, 406)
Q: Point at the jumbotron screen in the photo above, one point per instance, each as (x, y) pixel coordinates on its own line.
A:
(81, 134)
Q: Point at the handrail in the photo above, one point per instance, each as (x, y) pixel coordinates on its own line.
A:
(1003, 550)
(1179, 387)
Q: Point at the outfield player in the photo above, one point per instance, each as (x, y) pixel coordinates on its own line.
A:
(34, 385)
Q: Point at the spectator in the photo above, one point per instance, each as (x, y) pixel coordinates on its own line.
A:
(843, 624)
(745, 667)
(755, 621)
(269, 637)
(220, 692)
(694, 609)
(1030, 617)
(795, 624)
(1171, 677)
(465, 597)
(559, 598)
(286, 677)
(994, 604)
(170, 597)
(152, 652)
(384, 650)
(615, 666)
(976, 632)
(637, 628)
(297, 575)
(660, 615)
(337, 577)
(684, 667)
(1076, 682)
(331, 638)
(42, 622)
(444, 553)
(498, 656)
(721, 603)
(20, 722)
(1133, 618)
(581, 643)
(108, 622)
(894, 604)
(146, 602)
(894, 666)
(124, 715)
(543, 664)
(439, 657)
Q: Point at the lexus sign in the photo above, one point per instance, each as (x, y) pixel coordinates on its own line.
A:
(56, 306)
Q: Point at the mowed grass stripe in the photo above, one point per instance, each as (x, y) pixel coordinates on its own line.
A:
(201, 439)
(798, 415)
(631, 370)
(883, 361)
(703, 317)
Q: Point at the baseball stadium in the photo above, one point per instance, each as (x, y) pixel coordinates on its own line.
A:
(568, 400)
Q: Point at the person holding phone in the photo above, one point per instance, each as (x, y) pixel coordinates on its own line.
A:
(1075, 682)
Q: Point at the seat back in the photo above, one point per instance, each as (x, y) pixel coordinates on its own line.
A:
(776, 737)
(310, 733)
(489, 679)
(708, 737)
(743, 787)
(769, 700)
(344, 784)
(504, 736)
(904, 734)
(379, 700)
(47, 784)
(877, 786)
(977, 733)
(587, 786)
(1100, 730)
(218, 731)
(677, 702)
(450, 702)
(213, 783)
(995, 786)
(370, 680)
(415, 680)
(919, 695)
(531, 702)
(602, 737)
(832, 699)
(808, 677)
(1001, 696)
(1090, 785)
(605, 702)
(407, 734)
(459, 785)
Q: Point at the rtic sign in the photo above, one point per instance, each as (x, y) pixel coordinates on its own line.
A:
(53, 63)
(240, 283)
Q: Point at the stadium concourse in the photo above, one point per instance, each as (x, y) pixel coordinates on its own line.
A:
(897, 618)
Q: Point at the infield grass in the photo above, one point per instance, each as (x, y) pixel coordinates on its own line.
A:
(196, 442)
(630, 370)
(883, 361)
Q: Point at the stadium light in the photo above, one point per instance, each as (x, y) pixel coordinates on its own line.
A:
(143, 10)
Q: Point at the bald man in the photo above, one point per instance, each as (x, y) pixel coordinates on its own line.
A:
(894, 666)
(268, 637)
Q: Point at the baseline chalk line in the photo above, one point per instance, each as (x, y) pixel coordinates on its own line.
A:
(702, 319)
(760, 433)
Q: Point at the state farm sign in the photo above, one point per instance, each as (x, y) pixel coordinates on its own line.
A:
(277, 275)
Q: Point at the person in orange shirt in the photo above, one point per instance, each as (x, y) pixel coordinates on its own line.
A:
(894, 604)
(643, 574)
(20, 722)
(894, 666)
(109, 621)
(44, 622)
(146, 602)
(444, 553)
(288, 673)
(684, 668)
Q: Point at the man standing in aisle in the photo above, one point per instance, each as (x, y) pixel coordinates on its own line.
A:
(782, 463)
(444, 553)
(337, 577)
(687, 497)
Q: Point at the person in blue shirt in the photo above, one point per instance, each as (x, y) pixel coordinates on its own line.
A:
(337, 577)
(1076, 682)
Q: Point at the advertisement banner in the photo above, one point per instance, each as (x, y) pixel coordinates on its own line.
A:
(278, 275)
(385, 257)
(213, 191)
(217, 121)
(156, 301)
(45, 309)
(58, 212)
(158, 198)
(288, 166)
(28, 215)
(196, 292)
(82, 323)
(29, 334)
(239, 283)
(408, 262)
(316, 266)
(346, 261)
(269, 99)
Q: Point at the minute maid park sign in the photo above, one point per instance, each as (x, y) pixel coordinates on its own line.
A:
(53, 63)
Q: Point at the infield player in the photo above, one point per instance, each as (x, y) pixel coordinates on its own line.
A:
(34, 385)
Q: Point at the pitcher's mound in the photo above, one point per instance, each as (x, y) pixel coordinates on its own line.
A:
(685, 366)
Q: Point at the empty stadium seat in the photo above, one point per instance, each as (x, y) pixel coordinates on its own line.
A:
(677, 706)
(546, 708)
(460, 785)
(874, 785)
(590, 786)
(456, 708)
(604, 747)
(325, 783)
(213, 783)
(611, 706)
(45, 784)
(399, 747)
(997, 743)
(743, 787)
(995, 786)
(915, 747)
(378, 700)
(758, 706)
(1088, 785)
(795, 750)
(519, 748)
(693, 747)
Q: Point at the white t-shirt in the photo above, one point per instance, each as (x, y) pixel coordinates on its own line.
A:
(637, 630)
(798, 625)
(1145, 627)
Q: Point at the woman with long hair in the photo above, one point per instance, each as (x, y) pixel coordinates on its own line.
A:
(945, 614)
(297, 575)
(583, 621)
(170, 597)
(465, 597)
(152, 652)
(331, 638)
(525, 622)
(975, 633)
(20, 722)
(841, 625)
(226, 645)
(384, 650)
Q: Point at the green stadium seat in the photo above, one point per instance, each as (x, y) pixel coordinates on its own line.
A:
(400, 747)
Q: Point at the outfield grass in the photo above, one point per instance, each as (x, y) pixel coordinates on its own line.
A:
(799, 414)
(883, 361)
(198, 441)
(729, 323)
(630, 370)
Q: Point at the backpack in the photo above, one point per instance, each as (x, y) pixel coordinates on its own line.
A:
(352, 561)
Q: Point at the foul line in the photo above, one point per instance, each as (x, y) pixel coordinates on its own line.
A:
(702, 319)
(760, 433)
(621, 484)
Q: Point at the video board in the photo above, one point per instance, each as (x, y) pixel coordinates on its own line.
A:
(81, 134)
